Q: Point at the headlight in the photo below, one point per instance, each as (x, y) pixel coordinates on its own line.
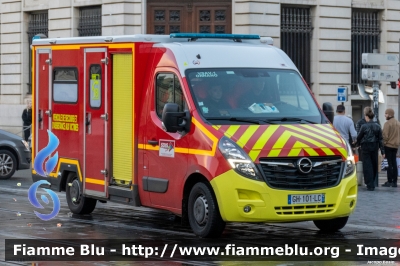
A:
(25, 144)
(238, 159)
(350, 163)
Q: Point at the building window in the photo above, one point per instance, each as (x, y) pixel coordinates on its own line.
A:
(296, 31)
(38, 24)
(166, 17)
(365, 32)
(90, 21)
(167, 20)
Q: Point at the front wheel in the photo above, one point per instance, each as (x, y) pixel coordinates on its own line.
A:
(8, 164)
(77, 203)
(331, 225)
(204, 217)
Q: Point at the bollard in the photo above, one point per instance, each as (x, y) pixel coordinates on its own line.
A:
(360, 173)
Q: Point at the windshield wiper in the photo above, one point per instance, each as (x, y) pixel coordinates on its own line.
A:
(295, 119)
(253, 121)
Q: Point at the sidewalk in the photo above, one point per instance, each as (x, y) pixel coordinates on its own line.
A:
(383, 178)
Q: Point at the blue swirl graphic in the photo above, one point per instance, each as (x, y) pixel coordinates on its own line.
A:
(44, 153)
(32, 198)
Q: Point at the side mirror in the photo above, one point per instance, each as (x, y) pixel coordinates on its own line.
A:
(173, 120)
(327, 108)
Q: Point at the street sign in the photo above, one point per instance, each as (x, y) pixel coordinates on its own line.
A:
(380, 59)
(342, 94)
(379, 75)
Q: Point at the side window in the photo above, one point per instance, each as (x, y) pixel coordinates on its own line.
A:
(65, 85)
(95, 86)
(168, 90)
(290, 93)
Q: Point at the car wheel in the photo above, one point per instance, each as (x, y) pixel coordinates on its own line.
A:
(331, 225)
(203, 213)
(8, 164)
(77, 203)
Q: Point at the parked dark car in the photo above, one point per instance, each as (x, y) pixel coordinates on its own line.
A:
(14, 154)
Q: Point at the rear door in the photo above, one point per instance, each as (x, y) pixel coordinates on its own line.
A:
(42, 101)
(96, 143)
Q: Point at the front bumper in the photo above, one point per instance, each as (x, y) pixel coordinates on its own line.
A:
(234, 192)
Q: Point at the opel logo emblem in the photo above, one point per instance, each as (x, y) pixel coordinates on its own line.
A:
(304, 165)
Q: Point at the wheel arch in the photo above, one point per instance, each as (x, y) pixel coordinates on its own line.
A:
(189, 183)
(12, 150)
(65, 169)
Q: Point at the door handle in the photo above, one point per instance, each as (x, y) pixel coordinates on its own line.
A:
(48, 112)
(153, 142)
(40, 118)
(88, 123)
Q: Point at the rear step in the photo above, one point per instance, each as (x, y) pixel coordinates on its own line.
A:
(124, 195)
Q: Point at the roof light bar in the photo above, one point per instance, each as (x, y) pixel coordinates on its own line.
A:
(214, 36)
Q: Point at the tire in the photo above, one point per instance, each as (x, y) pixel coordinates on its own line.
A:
(332, 225)
(77, 203)
(203, 213)
(8, 164)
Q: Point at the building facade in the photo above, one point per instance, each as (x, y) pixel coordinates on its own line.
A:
(325, 38)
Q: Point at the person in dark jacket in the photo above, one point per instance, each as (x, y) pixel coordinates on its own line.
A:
(27, 120)
(358, 127)
(215, 104)
(370, 138)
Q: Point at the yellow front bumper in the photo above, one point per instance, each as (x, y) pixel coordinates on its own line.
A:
(234, 192)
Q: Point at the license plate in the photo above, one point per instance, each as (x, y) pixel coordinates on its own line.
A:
(306, 198)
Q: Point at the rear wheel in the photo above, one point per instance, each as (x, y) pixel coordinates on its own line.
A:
(8, 164)
(77, 203)
(331, 225)
(203, 213)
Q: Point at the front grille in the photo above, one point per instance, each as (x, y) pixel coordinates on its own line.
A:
(304, 209)
(284, 173)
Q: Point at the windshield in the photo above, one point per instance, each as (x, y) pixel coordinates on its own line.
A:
(249, 95)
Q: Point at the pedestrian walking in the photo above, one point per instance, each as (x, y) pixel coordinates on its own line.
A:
(344, 125)
(391, 135)
(370, 139)
(27, 120)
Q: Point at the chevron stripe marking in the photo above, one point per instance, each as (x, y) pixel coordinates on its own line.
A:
(281, 142)
(274, 136)
(294, 152)
(256, 136)
(328, 151)
(239, 133)
(343, 152)
(295, 143)
(327, 128)
(311, 152)
(318, 136)
(231, 130)
(274, 153)
(247, 135)
(262, 140)
(316, 143)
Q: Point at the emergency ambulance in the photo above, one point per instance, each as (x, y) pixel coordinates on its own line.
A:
(161, 121)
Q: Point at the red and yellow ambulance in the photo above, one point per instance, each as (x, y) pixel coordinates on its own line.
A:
(214, 128)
